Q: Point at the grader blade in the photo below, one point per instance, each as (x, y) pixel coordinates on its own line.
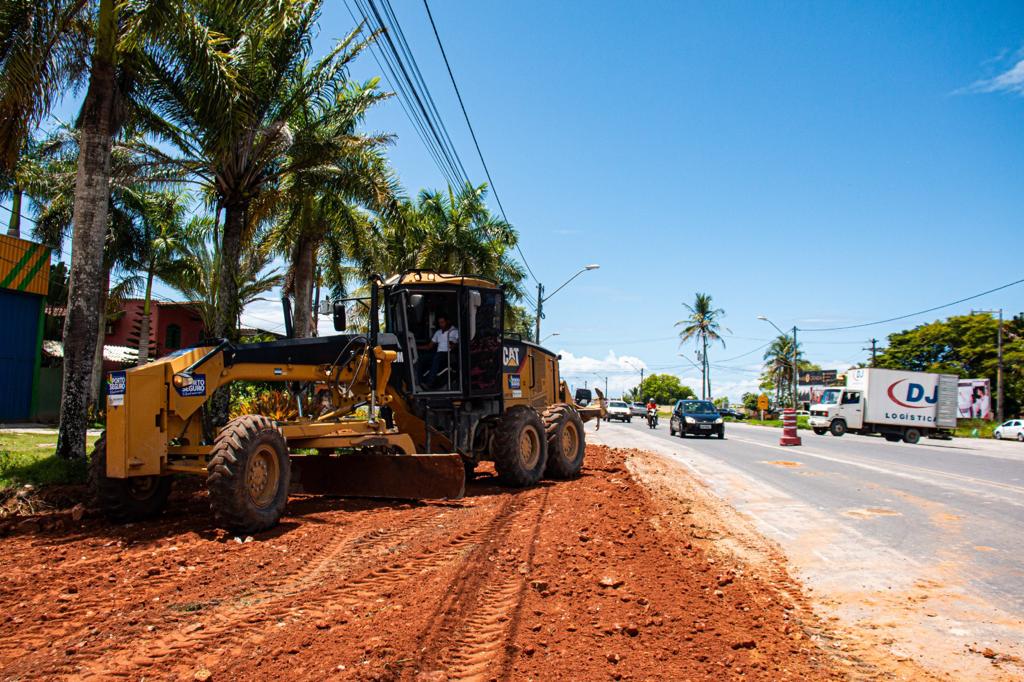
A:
(403, 477)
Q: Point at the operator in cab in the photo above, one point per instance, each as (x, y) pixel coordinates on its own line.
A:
(444, 340)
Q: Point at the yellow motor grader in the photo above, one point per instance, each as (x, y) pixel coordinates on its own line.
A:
(429, 414)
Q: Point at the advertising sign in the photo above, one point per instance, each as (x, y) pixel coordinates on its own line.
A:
(974, 399)
(817, 377)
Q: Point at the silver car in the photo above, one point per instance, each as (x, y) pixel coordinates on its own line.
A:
(1011, 428)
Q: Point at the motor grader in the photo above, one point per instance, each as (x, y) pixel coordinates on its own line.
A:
(390, 419)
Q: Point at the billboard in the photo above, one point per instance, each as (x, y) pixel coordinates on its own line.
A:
(974, 399)
(817, 377)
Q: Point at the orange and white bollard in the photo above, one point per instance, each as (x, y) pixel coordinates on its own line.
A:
(789, 434)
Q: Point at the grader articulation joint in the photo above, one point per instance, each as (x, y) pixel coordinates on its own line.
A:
(431, 411)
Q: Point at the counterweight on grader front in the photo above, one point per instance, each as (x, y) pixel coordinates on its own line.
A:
(430, 414)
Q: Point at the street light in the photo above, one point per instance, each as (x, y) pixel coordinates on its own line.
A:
(549, 336)
(600, 376)
(640, 388)
(541, 298)
(794, 360)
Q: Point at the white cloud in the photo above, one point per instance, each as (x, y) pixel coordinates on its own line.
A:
(622, 371)
(1011, 80)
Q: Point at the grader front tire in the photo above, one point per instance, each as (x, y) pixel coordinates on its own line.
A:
(566, 442)
(249, 474)
(521, 448)
(125, 499)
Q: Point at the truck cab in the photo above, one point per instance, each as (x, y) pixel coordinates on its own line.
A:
(839, 410)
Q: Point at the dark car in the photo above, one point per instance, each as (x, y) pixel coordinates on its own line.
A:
(696, 417)
(735, 414)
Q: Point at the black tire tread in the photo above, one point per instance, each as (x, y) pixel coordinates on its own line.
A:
(111, 496)
(559, 465)
(506, 448)
(228, 506)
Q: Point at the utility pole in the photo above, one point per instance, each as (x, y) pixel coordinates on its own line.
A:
(796, 368)
(540, 311)
(999, 362)
(873, 349)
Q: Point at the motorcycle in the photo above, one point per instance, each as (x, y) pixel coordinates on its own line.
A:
(652, 419)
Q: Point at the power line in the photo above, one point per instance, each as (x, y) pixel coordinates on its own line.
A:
(919, 312)
(472, 133)
(391, 61)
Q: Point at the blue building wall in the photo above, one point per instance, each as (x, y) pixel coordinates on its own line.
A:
(19, 350)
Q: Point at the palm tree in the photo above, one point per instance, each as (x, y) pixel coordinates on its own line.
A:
(162, 215)
(778, 367)
(237, 145)
(196, 270)
(332, 171)
(46, 46)
(703, 325)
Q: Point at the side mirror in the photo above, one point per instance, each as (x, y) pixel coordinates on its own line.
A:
(339, 316)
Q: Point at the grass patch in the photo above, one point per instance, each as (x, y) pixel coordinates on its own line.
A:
(801, 422)
(975, 428)
(29, 458)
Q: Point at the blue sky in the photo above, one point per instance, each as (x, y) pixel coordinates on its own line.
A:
(820, 163)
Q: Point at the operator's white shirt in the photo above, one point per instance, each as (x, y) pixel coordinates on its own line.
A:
(442, 338)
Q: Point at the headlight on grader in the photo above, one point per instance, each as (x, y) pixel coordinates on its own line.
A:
(182, 380)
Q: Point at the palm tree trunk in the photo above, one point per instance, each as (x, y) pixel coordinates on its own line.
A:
(227, 282)
(144, 323)
(226, 320)
(707, 368)
(92, 196)
(302, 287)
(14, 227)
(96, 385)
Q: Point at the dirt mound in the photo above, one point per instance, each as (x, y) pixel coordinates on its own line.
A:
(571, 580)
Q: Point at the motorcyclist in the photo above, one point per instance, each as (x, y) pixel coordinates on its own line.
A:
(652, 412)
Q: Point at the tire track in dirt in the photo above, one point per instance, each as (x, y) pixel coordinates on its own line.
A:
(471, 634)
(233, 627)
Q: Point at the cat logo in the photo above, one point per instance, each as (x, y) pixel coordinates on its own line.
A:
(510, 356)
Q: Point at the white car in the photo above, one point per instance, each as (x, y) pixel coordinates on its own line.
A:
(1011, 428)
(618, 409)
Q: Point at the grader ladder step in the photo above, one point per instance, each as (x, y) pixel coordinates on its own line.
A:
(403, 477)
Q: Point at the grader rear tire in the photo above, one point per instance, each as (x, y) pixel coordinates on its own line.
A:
(249, 474)
(521, 448)
(125, 499)
(566, 442)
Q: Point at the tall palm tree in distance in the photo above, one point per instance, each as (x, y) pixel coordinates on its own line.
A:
(778, 367)
(703, 325)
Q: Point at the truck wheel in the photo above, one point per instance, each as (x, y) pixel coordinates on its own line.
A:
(249, 474)
(566, 442)
(820, 430)
(125, 499)
(838, 427)
(911, 436)
(521, 449)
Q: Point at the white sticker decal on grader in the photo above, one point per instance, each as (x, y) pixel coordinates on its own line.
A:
(429, 421)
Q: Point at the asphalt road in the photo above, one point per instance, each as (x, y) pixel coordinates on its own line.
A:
(941, 522)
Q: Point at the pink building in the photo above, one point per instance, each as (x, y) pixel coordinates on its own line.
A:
(172, 326)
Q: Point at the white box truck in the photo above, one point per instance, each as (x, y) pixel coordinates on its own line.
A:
(895, 404)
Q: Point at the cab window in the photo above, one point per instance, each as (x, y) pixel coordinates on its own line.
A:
(851, 398)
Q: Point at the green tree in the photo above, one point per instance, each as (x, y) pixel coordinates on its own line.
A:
(703, 325)
(666, 389)
(749, 401)
(964, 345)
(43, 48)
(331, 170)
(196, 270)
(778, 368)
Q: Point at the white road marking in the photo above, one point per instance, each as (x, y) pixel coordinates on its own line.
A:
(882, 467)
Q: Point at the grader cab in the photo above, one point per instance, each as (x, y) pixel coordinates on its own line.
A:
(406, 410)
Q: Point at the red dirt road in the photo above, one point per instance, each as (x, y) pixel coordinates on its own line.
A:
(575, 580)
